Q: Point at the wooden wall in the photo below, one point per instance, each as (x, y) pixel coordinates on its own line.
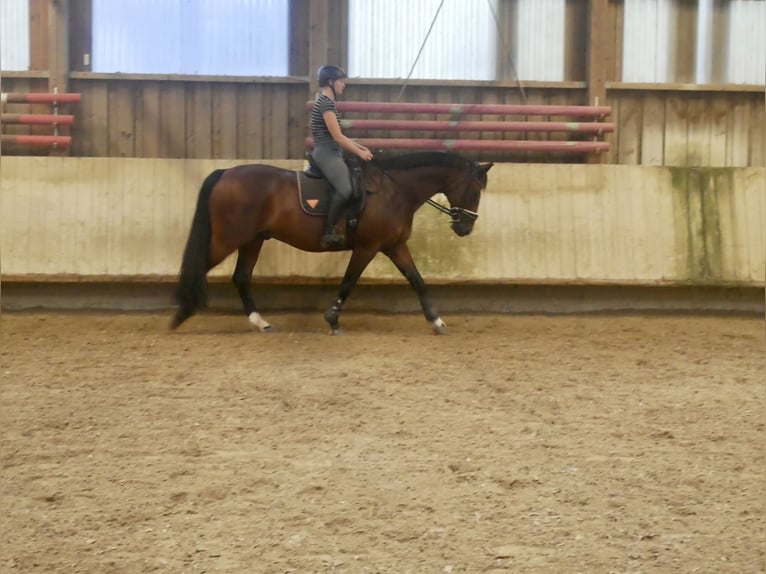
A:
(190, 119)
(263, 118)
(687, 126)
(201, 118)
(121, 218)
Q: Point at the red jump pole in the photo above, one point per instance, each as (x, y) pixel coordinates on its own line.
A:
(480, 145)
(472, 109)
(37, 119)
(39, 98)
(53, 141)
(476, 126)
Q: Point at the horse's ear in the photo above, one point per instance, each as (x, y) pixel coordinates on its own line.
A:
(485, 168)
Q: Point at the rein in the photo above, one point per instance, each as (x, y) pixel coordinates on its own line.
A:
(453, 212)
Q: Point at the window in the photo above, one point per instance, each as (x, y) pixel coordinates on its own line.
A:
(746, 62)
(646, 41)
(540, 39)
(203, 37)
(385, 39)
(703, 42)
(14, 35)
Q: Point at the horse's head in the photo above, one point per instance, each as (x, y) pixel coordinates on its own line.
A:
(422, 174)
(464, 198)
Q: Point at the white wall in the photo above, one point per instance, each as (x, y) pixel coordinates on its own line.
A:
(94, 218)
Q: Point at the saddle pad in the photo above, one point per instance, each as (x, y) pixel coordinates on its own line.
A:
(314, 194)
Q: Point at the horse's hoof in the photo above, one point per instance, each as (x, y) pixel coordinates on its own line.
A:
(334, 331)
(331, 318)
(439, 327)
(180, 316)
(257, 322)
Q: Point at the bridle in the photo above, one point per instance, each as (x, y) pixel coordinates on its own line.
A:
(458, 214)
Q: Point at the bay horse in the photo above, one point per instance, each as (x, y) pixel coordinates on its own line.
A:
(241, 207)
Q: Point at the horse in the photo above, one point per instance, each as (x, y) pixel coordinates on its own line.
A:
(241, 207)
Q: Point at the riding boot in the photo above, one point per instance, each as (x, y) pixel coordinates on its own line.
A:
(333, 238)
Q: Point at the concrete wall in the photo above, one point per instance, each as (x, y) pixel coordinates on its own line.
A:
(88, 219)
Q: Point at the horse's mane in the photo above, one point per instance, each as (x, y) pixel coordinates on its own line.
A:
(421, 159)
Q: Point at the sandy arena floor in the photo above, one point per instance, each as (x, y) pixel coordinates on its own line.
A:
(519, 444)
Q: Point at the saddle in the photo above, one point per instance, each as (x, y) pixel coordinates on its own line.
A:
(314, 193)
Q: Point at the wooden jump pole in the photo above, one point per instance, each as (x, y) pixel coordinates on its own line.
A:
(55, 120)
(32, 140)
(592, 128)
(472, 109)
(38, 119)
(478, 126)
(480, 145)
(39, 98)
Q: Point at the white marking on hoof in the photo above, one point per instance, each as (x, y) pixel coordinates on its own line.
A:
(257, 322)
(439, 326)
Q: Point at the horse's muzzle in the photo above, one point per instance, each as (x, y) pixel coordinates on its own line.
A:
(462, 228)
(462, 220)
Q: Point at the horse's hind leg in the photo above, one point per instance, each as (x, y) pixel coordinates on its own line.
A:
(242, 277)
(192, 282)
(401, 257)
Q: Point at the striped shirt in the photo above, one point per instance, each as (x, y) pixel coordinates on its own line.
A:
(319, 130)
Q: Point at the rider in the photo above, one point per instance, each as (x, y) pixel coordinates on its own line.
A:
(329, 143)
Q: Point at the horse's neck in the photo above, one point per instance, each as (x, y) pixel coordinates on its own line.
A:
(419, 187)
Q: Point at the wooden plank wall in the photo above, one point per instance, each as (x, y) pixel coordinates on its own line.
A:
(244, 119)
(189, 119)
(122, 218)
(688, 128)
(237, 119)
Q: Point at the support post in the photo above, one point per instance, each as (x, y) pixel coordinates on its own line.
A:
(597, 50)
(58, 55)
(318, 40)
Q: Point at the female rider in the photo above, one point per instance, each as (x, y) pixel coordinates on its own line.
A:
(329, 144)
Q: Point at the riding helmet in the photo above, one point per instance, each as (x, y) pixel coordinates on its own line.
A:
(329, 73)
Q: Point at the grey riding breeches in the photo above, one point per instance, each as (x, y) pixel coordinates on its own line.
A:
(329, 158)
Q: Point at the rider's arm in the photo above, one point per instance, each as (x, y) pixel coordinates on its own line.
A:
(346, 143)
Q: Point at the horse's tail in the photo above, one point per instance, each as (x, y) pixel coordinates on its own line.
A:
(191, 292)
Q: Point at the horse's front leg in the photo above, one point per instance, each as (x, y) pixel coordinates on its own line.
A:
(242, 278)
(401, 257)
(360, 259)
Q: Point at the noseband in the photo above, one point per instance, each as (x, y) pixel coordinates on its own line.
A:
(458, 214)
